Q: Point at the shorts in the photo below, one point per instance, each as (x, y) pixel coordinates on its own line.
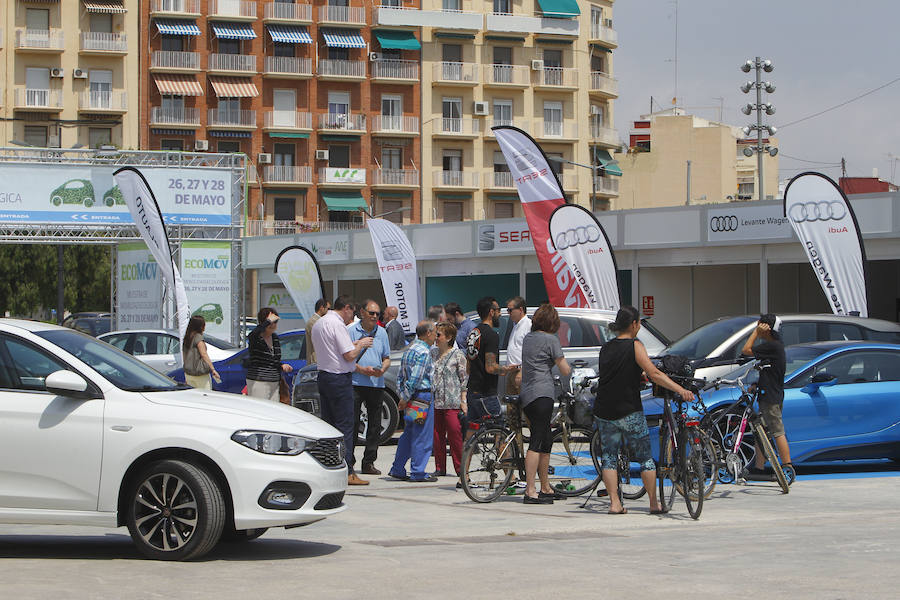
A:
(771, 416)
(480, 406)
(539, 411)
(633, 428)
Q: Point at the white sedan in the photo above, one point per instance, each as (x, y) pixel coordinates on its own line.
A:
(91, 436)
(160, 348)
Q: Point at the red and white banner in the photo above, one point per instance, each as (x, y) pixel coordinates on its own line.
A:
(581, 240)
(397, 266)
(299, 271)
(541, 194)
(825, 224)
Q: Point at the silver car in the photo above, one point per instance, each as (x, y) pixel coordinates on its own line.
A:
(160, 348)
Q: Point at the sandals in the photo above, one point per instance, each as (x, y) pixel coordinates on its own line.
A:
(624, 511)
(661, 511)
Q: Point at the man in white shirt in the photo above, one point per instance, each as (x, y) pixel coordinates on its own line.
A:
(515, 307)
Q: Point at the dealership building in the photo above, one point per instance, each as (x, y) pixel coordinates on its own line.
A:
(683, 265)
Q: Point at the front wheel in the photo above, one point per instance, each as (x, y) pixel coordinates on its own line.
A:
(628, 487)
(489, 460)
(666, 469)
(572, 472)
(766, 445)
(692, 479)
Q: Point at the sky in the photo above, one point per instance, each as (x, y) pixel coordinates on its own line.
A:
(824, 52)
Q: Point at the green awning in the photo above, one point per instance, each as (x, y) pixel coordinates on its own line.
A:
(562, 9)
(345, 202)
(605, 160)
(454, 36)
(601, 48)
(397, 40)
(288, 134)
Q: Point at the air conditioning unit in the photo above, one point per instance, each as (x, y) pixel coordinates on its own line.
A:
(482, 108)
(57, 72)
(79, 74)
(264, 158)
(374, 56)
(537, 65)
(321, 154)
(201, 145)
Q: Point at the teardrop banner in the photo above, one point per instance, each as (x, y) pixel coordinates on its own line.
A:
(581, 240)
(397, 267)
(541, 194)
(299, 272)
(827, 228)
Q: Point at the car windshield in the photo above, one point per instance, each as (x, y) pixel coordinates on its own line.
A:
(121, 369)
(795, 358)
(218, 343)
(702, 341)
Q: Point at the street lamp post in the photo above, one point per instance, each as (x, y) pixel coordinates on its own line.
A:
(759, 64)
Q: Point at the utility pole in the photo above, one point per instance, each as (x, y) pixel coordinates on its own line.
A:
(843, 167)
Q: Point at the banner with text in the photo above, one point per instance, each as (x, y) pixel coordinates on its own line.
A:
(276, 296)
(138, 288)
(397, 266)
(299, 272)
(541, 194)
(206, 270)
(825, 224)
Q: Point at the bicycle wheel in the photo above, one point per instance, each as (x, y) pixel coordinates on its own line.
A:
(724, 433)
(631, 486)
(709, 461)
(572, 472)
(762, 437)
(666, 469)
(692, 477)
(488, 464)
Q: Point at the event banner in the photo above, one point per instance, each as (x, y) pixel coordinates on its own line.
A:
(276, 296)
(206, 271)
(90, 195)
(397, 266)
(149, 220)
(299, 272)
(138, 288)
(580, 238)
(541, 194)
(825, 224)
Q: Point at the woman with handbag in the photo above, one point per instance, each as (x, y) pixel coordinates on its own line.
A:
(265, 369)
(197, 364)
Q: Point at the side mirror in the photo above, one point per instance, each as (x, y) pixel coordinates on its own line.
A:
(69, 384)
(820, 379)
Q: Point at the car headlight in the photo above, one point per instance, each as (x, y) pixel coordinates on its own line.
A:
(269, 442)
(309, 377)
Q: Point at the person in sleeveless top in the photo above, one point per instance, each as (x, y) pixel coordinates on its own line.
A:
(618, 411)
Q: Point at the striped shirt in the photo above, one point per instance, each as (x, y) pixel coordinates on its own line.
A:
(416, 370)
(265, 362)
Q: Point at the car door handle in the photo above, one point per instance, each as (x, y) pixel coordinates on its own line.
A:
(171, 364)
(578, 363)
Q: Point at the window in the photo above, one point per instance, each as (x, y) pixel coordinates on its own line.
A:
(229, 46)
(229, 110)
(598, 64)
(501, 7)
(393, 3)
(553, 116)
(172, 43)
(453, 212)
(172, 145)
(37, 19)
(452, 113)
(228, 146)
(451, 67)
(285, 210)
(454, 5)
(338, 111)
(391, 53)
(338, 54)
(555, 165)
(283, 50)
(392, 112)
(745, 190)
(36, 135)
(643, 145)
(30, 366)
(798, 333)
(391, 158)
(842, 331)
(601, 204)
(99, 136)
(503, 112)
(392, 208)
(503, 70)
(284, 108)
(452, 160)
(502, 176)
(292, 346)
(338, 155)
(503, 210)
(553, 73)
(100, 83)
(596, 18)
(101, 23)
(858, 367)
(173, 106)
(37, 86)
(552, 58)
(284, 155)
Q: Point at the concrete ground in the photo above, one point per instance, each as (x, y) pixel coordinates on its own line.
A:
(828, 538)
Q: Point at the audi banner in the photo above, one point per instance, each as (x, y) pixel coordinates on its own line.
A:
(541, 194)
(397, 266)
(299, 272)
(581, 240)
(825, 224)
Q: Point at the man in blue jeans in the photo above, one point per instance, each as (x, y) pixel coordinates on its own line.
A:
(414, 383)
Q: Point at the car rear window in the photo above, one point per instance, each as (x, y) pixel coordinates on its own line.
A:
(701, 342)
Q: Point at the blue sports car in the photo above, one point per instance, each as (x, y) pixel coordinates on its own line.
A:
(233, 370)
(850, 412)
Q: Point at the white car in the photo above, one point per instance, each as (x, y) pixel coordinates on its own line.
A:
(160, 348)
(91, 436)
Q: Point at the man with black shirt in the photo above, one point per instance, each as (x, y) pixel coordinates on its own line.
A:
(482, 350)
(771, 384)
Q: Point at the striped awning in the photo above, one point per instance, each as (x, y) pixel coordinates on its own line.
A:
(233, 87)
(343, 38)
(233, 31)
(104, 6)
(176, 27)
(288, 34)
(178, 85)
(229, 134)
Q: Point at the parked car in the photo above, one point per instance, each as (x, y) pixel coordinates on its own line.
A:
(233, 369)
(91, 323)
(582, 332)
(161, 348)
(715, 347)
(111, 442)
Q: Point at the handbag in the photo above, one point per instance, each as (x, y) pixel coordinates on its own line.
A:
(416, 411)
(193, 363)
(284, 391)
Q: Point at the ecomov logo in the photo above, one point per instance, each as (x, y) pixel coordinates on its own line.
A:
(207, 263)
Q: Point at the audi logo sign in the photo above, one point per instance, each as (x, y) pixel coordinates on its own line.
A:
(576, 236)
(823, 210)
(725, 223)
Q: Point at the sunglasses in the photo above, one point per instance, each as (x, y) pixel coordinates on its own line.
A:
(374, 313)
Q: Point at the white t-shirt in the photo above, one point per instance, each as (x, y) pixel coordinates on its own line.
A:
(514, 350)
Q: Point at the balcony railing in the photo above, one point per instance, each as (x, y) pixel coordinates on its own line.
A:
(409, 177)
(468, 179)
(174, 116)
(395, 69)
(39, 98)
(291, 227)
(288, 65)
(103, 101)
(342, 121)
(243, 63)
(507, 74)
(40, 39)
(342, 68)
(288, 119)
(605, 34)
(395, 124)
(603, 83)
(556, 76)
(342, 14)
(459, 126)
(232, 8)
(288, 12)
(288, 175)
(604, 135)
(456, 71)
(604, 184)
(503, 179)
(223, 117)
(556, 129)
(98, 41)
(170, 59)
(190, 7)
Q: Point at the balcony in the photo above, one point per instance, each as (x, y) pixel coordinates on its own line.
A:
(606, 185)
(341, 70)
(556, 131)
(287, 176)
(603, 85)
(281, 12)
(187, 118)
(95, 42)
(507, 76)
(603, 136)
(455, 73)
(342, 123)
(220, 118)
(456, 128)
(502, 180)
(521, 124)
(406, 178)
(604, 35)
(456, 179)
(342, 15)
(40, 40)
(175, 8)
(342, 177)
(507, 23)
(557, 78)
(231, 63)
(395, 125)
(288, 120)
(111, 102)
(39, 99)
(287, 67)
(169, 60)
(443, 19)
(232, 10)
(395, 71)
(257, 228)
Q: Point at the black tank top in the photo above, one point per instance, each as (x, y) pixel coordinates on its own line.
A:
(619, 385)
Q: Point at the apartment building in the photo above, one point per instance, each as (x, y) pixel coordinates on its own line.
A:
(656, 165)
(70, 73)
